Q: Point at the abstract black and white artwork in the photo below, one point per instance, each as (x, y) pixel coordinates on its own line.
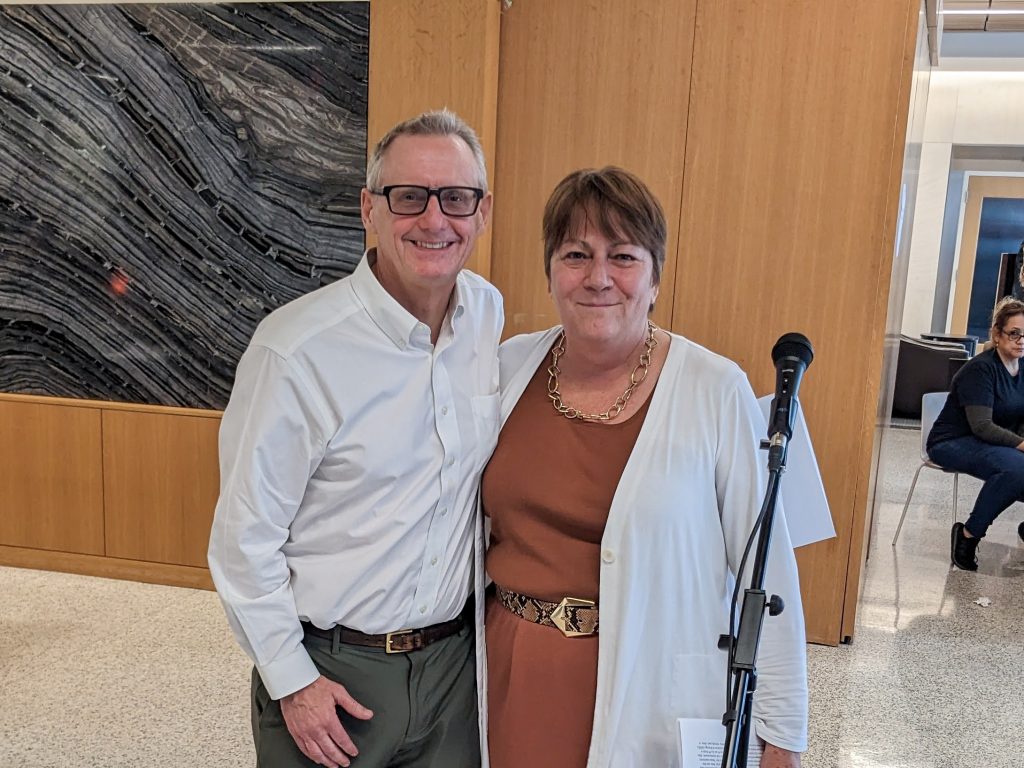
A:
(170, 174)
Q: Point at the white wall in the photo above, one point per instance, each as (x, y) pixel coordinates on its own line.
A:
(975, 108)
(912, 160)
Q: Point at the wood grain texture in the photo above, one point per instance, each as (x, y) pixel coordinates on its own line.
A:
(795, 140)
(106, 567)
(584, 84)
(51, 477)
(162, 481)
(109, 406)
(428, 54)
(881, 330)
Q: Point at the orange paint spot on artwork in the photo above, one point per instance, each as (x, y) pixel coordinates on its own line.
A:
(119, 283)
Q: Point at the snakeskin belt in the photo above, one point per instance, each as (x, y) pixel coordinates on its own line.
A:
(573, 616)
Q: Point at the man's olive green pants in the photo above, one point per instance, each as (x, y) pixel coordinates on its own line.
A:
(424, 706)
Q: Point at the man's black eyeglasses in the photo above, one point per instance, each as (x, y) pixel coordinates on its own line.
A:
(411, 200)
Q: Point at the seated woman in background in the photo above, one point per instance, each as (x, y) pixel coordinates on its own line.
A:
(978, 430)
(625, 482)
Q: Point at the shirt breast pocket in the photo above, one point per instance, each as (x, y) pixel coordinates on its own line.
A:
(486, 418)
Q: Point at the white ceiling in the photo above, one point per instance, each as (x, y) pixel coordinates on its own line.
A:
(976, 34)
(983, 15)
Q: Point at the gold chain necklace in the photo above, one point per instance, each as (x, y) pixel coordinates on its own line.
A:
(636, 378)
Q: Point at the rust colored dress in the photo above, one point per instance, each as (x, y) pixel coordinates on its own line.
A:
(547, 489)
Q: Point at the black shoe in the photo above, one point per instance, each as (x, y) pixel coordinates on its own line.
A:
(1020, 531)
(962, 549)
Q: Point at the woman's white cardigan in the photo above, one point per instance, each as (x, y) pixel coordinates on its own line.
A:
(678, 523)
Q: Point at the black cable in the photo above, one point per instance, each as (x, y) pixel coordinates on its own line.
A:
(773, 476)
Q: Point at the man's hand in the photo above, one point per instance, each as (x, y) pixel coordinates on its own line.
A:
(313, 722)
(775, 757)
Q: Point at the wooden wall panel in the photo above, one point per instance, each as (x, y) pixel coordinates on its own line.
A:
(51, 482)
(107, 567)
(793, 152)
(584, 84)
(428, 54)
(162, 483)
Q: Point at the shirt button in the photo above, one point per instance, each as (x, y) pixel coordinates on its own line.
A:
(433, 561)
(423, 609)
(451, 461)
(444, 411)
(608, 556)
(444, 511)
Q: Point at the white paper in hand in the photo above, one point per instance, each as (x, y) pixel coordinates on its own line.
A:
(701, 743)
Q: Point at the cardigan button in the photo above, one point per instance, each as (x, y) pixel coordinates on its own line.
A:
(608, 556)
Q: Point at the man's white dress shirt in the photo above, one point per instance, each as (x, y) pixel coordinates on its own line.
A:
(350, 454)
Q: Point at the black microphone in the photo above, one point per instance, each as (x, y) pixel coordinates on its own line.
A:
(791, 354)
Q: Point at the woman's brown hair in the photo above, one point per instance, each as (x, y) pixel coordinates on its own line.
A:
(613, 200)
(1006, 308)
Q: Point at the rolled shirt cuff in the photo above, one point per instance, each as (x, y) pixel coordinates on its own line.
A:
(794, 742)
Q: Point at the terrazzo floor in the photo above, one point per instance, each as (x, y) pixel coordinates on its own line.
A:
(932, 679)
(97, 673)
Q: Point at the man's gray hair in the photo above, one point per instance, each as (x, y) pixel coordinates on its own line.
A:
(440, 122)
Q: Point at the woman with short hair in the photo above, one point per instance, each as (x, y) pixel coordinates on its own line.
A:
(625, 482)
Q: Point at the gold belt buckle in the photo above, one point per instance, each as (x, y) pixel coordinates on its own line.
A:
(558, 616)
(391, 636)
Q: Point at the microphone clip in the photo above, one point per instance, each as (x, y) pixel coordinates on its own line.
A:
(777, 450)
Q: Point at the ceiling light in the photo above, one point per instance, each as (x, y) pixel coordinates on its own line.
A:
(985, 12)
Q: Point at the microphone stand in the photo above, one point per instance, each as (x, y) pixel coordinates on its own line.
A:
(743, 647)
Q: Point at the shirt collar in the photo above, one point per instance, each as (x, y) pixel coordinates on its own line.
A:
(457, 307)
(397, 323)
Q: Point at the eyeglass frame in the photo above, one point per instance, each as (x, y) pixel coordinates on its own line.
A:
(1014, 334)
(385, 192)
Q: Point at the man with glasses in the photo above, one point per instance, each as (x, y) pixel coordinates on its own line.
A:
(346, 543)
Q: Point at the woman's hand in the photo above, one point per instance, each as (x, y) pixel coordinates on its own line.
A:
(776, 757)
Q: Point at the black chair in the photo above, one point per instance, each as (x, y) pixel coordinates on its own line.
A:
(923, 366)
(970, 343)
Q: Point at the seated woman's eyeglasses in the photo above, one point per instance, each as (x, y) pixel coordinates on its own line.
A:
(411, 200)
(1014, 334)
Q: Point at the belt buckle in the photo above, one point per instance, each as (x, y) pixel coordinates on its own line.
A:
(558, 616)
(391, 636)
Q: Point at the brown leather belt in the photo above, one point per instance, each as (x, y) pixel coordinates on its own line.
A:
(402, 641)
(573, 616)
